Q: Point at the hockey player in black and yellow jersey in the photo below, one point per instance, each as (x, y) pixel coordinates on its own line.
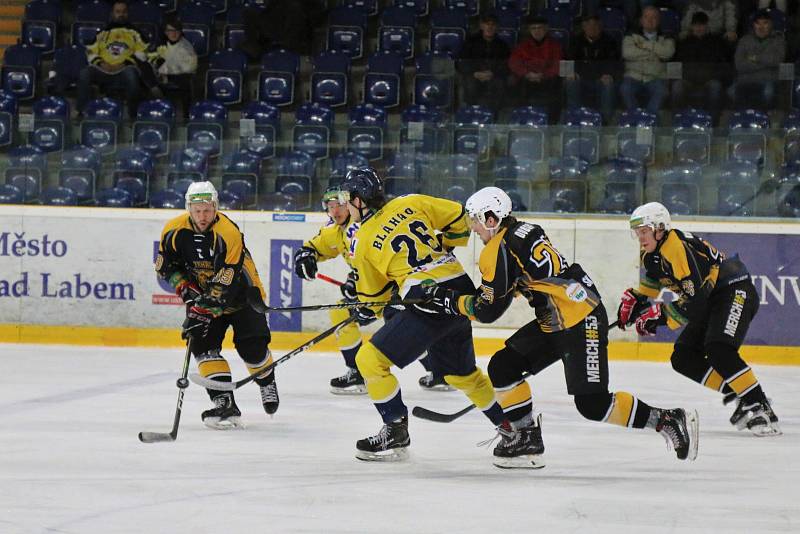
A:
(716, 301)
(203, 256)
(398, 245)
(570, 325)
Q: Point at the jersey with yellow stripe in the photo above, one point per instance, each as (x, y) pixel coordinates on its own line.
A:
(217, 260)
(521, 258)
(331, 241)
(688, 266)
(408, 241)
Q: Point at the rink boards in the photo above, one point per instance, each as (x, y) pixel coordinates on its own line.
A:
(85, 276)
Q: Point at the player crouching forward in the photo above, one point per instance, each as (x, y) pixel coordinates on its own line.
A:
(204, 257)
(396, 248)
(570, 325)
(717, 301)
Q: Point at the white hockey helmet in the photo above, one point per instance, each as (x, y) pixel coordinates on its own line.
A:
(201, 192)
(652, 214)
(488, 199)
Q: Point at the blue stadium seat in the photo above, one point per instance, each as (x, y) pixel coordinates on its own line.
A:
(225, 77)
(50, 123)
(166, 199)
(433, 136)
(133, 171)
(329, 81)
(460, 175)
(80, 170)
(735, 199)
(241, 174)
(402, 176)
(419, 7)
(568, 168)
(789, 204)
(114, 197)
(153, 126)
(100, 127)
(346, 28)
(791, 138)
(312, 130)
(26, 170)
(614, 23)
(67, 64)
(147, 18)
(8, 113)
(739, 172)
(59, 196)
(629, 137)
(90, 18)
(206, 127)
(527, 133)
(580, 136)
(382, 80)
(471, 131)
(566, 197)
(448, 30)
(619, 198)
(433, 82)
(229, 201)
(294, 178)
(40, 27)
(559, 17)
(187, 164)
(343, 163)
(397, 31)
(20, 71)
(366, 131)
(368, 7)
(267, 120)
(277, 80)
(670, 22)
(198, 25)
(508, 23)
(747, 136)
(278, 202)
(470, 7)
(233, 32)
(521, 6)
(219, 6)
(680, 198)
(10, 194)
(691, 137)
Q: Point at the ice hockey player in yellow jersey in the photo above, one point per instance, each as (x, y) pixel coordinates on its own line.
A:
(399, 245)
(570, 325)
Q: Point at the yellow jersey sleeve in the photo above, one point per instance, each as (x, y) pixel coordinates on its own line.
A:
(329, 242)
(447, 217)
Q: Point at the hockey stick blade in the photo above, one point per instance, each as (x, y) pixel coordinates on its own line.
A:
(154, 437)
(436, 417)
(230, 386)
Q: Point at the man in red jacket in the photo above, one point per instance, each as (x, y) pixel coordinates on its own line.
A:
(534, 64)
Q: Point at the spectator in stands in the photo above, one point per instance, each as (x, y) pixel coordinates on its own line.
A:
(721, 18)
(645, 56)
(176, 63)
(758, 55)
(597, 66)
(534, 64)
(281, 24)
(483, 64)
(116, 61)
(704, 58)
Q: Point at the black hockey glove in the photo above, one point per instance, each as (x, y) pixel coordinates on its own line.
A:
(440, 300)
(348, 289)
(305, 263)
(188, 291)
(364, 315)
(198, 320)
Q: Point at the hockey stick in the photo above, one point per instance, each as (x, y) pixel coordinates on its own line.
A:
(257, 303)
(438, 417)
(182, 383)
(230, 386)
(327, 278)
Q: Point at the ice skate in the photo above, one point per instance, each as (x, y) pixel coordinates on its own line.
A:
(681, 430)
(390, 444)
(432, 383)
(520, 449)
(224, 415)
(757, 417)
(350, 383)
(269, 397)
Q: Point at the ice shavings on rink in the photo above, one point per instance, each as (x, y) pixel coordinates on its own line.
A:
(72, 462)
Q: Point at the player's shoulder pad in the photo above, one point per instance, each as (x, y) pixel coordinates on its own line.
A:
(177, 223)
(225, 227)
(523, 233)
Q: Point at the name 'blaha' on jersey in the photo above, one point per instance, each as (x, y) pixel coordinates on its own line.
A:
(398, 246)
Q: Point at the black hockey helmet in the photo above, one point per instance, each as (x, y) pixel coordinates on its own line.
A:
(364, 183)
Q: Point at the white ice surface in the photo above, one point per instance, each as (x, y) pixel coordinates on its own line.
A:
(71, 461)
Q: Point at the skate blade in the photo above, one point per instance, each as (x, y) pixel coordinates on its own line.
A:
(766, 431)
(439, 387)
(225, 424)
(392, 455)
(526, 461)
(353, 390)
(693, 426)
